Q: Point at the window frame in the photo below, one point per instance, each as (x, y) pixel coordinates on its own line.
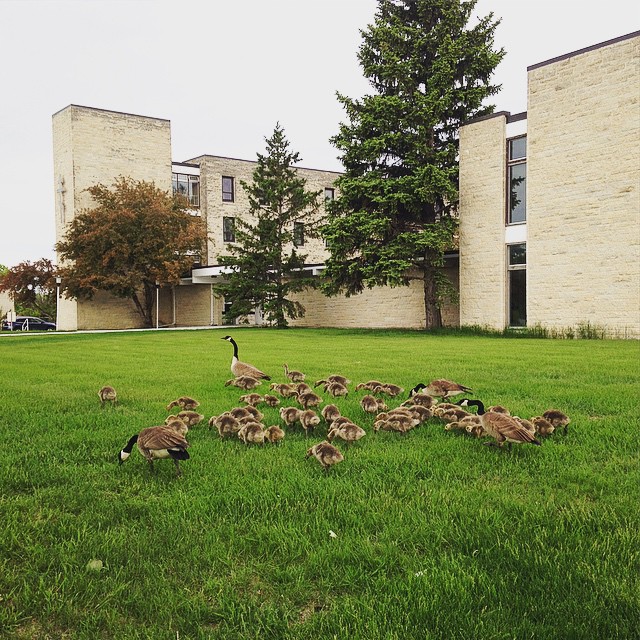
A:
(511, 164)
(228, 195)
(298, 234)
(228, 235)
(512, 268)
(192, 193)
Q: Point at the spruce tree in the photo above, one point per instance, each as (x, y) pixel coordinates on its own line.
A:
(266, 266)
(395, 212)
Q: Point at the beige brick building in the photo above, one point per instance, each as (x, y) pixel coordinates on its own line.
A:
(549, 209)
(550, 199)
(96, 146)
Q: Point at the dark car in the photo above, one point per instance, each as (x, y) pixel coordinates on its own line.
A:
(28, 323)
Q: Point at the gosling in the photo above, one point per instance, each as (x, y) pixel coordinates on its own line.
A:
(326, 454)
(108, 394)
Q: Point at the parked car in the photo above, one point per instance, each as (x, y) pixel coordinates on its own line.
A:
(28, 323)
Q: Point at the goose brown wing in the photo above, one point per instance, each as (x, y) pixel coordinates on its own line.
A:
(156, 438)
(245, 369)
(510, 428)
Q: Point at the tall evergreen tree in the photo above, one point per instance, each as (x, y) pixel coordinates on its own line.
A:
(265, 261)
(395, 213)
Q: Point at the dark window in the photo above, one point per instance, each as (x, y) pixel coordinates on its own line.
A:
(187, 186)
(517, 282)
(329, 193)
(517, 181)
(228, 229)
(298, 234)
(227, 189)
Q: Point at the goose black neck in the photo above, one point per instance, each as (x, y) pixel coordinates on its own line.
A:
(129, 446)
(233, 342)
(416, 389)
(476, 403)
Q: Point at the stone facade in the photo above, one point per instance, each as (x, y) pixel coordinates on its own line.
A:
(582, 229)
(93, 146)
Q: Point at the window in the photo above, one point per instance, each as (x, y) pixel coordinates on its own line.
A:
(517, 180)
(227, 189)
(298, 234)
(228, 229)
(188, 186)
(329, 194)
(517, 284)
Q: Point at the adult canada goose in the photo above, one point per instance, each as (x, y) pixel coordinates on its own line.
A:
(348, 432)
(157, 443)
(442, 388)
(184, 402)
(501, 427)
(326, 454)
(244, 382)
(557, 418)
(239, 368)
(294, 376)
(108, 394)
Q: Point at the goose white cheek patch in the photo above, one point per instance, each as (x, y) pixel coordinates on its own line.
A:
(124, 455)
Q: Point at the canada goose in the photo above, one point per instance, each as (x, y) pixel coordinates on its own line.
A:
(155, 443)
(498, 408)
(370, 385)
(226, 424)
(501, 427)
(308, 399)
(419, 398)
(251, 398)
(252, 433)
(348, 432)
(543, 426)
(420, 412)
(177, 423)
(442, 388)
(284, 389)
(294, 376)
(244, 382)
(274, 434)
(108, 394)
(370, 404)
(336, 389)
(309, 420)
(392, 390)
(557, 418)
(239, 368)
(334, 378)
(184, 402)
(271, 401)
(191, 418)
(326, 454)
(290, 415)
(330, 412)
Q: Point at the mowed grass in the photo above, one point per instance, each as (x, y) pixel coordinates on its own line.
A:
(434, 535)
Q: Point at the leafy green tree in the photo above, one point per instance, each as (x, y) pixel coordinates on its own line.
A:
(266, 266)
(395, 213)
(32, 286)
(137, 235)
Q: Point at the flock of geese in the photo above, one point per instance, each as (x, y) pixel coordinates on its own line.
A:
(246, 422)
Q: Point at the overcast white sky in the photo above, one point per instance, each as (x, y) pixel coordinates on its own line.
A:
(224, 72)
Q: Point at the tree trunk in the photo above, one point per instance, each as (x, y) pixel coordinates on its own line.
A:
(432, 314)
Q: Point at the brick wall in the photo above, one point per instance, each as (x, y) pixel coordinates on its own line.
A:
(583, 190)
(482, 222)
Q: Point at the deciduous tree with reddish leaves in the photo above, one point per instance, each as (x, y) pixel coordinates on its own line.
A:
(137, 235)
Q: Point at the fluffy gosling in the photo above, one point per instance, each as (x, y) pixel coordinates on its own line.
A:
(326, 454)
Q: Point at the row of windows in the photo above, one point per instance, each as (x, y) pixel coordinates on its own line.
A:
(229, 231)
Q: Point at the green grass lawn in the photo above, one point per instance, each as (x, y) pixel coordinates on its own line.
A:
(435, 535)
